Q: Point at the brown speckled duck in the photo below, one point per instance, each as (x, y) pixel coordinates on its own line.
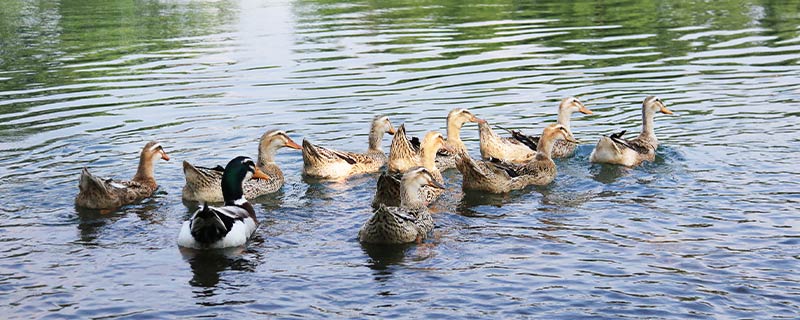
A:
(616, 150)
(203, 184)
(496, 176)
(562, 148)
(409, 222)
(107, 194)
(388, 186)
(323, 163)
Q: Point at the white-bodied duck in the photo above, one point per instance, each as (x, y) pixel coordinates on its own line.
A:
(614, 149)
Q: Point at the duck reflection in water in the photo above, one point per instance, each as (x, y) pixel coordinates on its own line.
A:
(92, 222)
(382, 257)
(207, 265)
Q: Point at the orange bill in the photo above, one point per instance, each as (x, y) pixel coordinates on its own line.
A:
(664, 109)
(258, 174)
(291, 144)
(391, 131)
(164, 155)
(585, 110)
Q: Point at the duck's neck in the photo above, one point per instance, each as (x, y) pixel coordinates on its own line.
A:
(544, 149)
(647, 126)
(564, 116)
(409, 197)
(454, 134)
(232, 189)
(429, 156)
(376, 139)
(144, 174)
(266, 155)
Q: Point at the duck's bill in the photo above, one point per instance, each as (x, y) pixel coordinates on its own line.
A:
(164, 156)
(585, 110)
(435, 184)
(573, 140)
(258, 174)
(478, 120)
(391, 131)
(293, 145)
(664, 110)
(448, 148)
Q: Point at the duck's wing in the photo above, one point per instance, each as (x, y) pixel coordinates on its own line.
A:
(634, 144)
(512, 170)
(517, 137)
(89, 182)
(316, 153)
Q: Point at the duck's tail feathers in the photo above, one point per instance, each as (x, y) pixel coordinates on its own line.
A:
(207, 227)
(311, 153)
(90, 182)
(467, 166)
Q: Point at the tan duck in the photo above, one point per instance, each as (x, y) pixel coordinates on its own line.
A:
(388, 186)
(562, 148)
(409, 222)
(455, 121)
(203, 184)
(98, 193)
(505, 149)
(323, 163)
(616, 150)
(496, 176)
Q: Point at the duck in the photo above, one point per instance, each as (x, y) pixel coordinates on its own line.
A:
(388, 186)
(510, 149)
(324, 163)
(456, 118)
(410, 221)
(230, 225)
(505, 149)
(107, 194)
(614, 149)
(497, 176)
(202, 183)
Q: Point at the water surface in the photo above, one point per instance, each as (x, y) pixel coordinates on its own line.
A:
(707, 230)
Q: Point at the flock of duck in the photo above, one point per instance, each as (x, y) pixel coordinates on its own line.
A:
(411, 179)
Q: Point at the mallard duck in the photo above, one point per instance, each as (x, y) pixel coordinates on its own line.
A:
(562, 148)
(455, 120)
(202, 184)
(616, 150)
(497, 176)
(323, 163)
(388, 187)
(230, 225)
(98, 193)
(409, 222)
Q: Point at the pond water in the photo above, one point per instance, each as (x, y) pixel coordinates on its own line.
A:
(709, 229)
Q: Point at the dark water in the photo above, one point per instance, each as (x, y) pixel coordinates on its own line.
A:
(708, 230)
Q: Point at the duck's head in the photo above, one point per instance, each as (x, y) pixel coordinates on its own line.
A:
(559, 132)
(276, 139)
(237, 171)
(653, 104)
(461, 116)
(417, 177)
(154, 151)
(434, 140)
(572, 104)
(382, 124)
